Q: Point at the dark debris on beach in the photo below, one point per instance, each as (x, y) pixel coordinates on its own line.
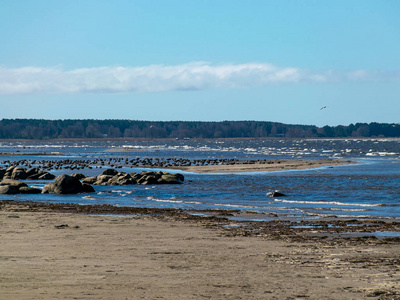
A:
(327, 231)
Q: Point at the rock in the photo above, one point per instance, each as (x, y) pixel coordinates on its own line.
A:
(48, 188)
(145, 177)
(121, 179)
(12, 186)
(78, 176)
(32, 171)
(46, 176)
(64, 184)
(170, 179)
(275, 194)
(8, 190)
(90, 180)
(103, 179)
(87, 188)
(29, 190)
(2, 172)
(111, 172)
(12, 182)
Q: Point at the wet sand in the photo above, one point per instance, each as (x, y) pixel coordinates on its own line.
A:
(266, 165)
(101, 252)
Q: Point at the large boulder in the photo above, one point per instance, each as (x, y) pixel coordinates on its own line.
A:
(12, 186)
(8, 190)
(18, 173)
(45, 176)
(87, 188)
(90, 180)
(171, 179)
(78, 175)
(29, 190)
(111, 172)
(12, 182)
(103, 179)
(64, 184)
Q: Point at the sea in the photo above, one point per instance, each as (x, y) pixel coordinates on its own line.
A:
(369, 189)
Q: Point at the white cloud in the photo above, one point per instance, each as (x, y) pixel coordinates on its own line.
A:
(159, 78)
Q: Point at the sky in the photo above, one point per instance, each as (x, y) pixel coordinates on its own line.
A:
(310, 62)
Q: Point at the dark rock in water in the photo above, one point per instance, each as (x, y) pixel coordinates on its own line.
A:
(111, 172)
(29, 190)
(12, 182)
(49, 188)
(64, 184)
(102, 179)
(90, 180)
(121, 179)
(87, 188)
(18, 173)
(8, 190)
(32, 171)
(170, 179)
(275, 194)
(78, 176)
(12, 186)
(2, 172)
(46, 176)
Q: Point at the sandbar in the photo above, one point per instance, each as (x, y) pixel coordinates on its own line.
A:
(266, 165)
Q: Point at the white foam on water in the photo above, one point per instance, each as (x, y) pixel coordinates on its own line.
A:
(326, 203)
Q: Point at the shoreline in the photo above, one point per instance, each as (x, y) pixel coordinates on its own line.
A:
(303, 228)
(67, 251)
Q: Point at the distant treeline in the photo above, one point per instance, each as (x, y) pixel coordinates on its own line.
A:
(72, 129)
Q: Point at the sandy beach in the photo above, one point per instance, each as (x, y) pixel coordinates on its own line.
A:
(56, 252)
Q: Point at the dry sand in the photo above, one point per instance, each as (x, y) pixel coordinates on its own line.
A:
(266, 165)
(47, 254)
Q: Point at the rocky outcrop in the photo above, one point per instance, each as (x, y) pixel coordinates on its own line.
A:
(12, 186)
(113, 177)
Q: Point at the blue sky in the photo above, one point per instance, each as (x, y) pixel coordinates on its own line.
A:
(201, 60)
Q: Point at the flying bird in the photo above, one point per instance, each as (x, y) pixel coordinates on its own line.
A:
(323, 107)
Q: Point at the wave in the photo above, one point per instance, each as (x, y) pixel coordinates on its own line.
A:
(327, 202)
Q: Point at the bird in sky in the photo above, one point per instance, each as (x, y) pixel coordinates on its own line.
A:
(323, 107)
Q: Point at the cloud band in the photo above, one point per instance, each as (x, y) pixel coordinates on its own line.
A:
(160, 78)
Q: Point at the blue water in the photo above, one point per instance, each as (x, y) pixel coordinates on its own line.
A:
(368, 189)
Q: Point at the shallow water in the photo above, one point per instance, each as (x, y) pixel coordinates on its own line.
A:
(369, 189)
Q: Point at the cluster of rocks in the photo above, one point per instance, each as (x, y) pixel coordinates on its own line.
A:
(113, 177)
(20, 173)
(78, 183)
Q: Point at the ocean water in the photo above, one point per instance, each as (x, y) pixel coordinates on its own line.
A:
(370, 189)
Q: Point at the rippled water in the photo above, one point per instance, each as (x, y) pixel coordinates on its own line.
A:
(369, 189)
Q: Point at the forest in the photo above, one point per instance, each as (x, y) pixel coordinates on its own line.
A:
(80, 129)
